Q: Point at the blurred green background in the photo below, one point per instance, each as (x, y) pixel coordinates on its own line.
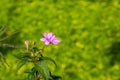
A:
(89, 31)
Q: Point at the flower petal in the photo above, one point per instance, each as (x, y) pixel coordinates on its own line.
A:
(43, 39)
(45, 34)
(52, 38)
(56, 41)
(49, 35)
(49, 38)
(47, 42)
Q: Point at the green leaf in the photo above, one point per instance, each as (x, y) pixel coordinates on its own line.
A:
(35, 49)
(49, 59)
(20, 64)
(24, 57)
(43, 69)
(56, 77)
(31, 74)
(31, 77)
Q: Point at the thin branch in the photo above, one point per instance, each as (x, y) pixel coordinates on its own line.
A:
(3, 30)
(8, 36)
(3, 60)
(12, 46)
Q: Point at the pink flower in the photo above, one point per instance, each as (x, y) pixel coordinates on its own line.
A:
(49, 38)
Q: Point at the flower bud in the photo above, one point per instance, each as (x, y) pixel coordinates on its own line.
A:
(33, 43)
(27, 44)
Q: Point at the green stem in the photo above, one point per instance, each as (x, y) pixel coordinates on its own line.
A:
(43, 48)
